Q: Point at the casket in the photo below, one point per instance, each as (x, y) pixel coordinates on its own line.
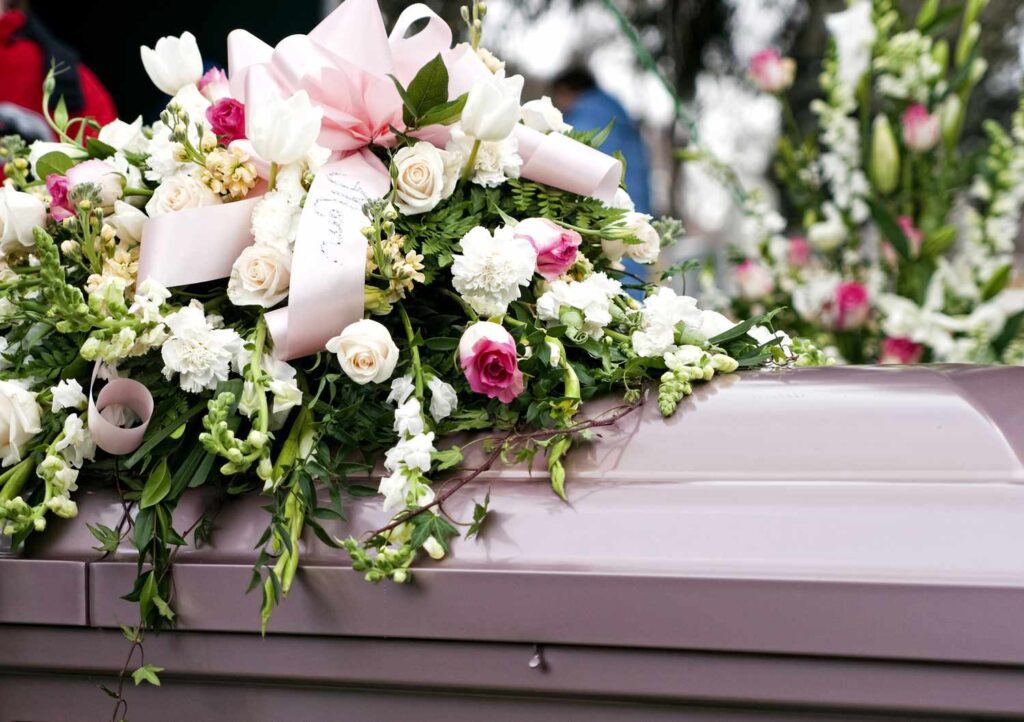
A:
(817, 544)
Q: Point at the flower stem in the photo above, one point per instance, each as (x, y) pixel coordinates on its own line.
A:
(471, 163)
(272, 181)
(13, 480)
(144, 192)
(417, 368)
(255, 372)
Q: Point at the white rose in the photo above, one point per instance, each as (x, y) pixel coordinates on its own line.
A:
(127, 222)
(283, 131)
(542, 115)
(421, 181)
(124, 136)
(443, 399)
(492, 108)
(19, 214)
(173, 63)
(365, 351)
(178, 193)
(19, 421)
(260, 276)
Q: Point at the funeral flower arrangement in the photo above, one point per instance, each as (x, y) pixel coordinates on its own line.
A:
(332, 259)
(900, 240)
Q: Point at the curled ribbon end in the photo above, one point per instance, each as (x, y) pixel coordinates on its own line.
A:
(129, 393)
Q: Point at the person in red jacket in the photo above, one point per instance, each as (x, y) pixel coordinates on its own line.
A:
(27, 50)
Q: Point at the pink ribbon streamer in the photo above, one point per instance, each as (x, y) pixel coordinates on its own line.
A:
(129, 393)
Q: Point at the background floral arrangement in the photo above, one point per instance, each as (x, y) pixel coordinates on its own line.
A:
(492, 302)
(901, 235)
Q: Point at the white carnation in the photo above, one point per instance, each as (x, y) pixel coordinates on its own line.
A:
(197, 350)
(275, 219)
(491, 269)
(591, 296)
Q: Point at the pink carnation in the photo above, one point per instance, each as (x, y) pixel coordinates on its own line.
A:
(227, 119)
(214, 85)
(901, 351)
(60, 207)
(853, 305)
(487, 354)
(556, 246)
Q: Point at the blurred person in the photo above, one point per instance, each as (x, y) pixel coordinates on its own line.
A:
(587, 107)
(27, 50)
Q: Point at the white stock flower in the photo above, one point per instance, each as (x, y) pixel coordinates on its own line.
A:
(19, 214)
(854, 32)
(67, 395)
(543, 116)
(365, 351)
(491, 268)
(180, 192)
(495, 162)
(76, 444)
(150, 295)
(260, 276)
(492, 107)
(827, 235)
(127, 222)
(443, 399)
(646, 252)
(19, 421)
(283, 130)
(164, 159)
(197, 350)
(591, 296)
(409, 419)
(173, 63)
(425, 176)
(123, 136)
(401, 389)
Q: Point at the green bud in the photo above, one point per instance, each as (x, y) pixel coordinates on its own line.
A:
(940, 54)
(724, 364)
(951, 118)
(927, 15)
(400, 576)
(884, 165)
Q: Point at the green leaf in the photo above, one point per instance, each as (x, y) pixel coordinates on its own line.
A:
(1009, 333)
(360, 490)
(146, 595)
(157, 486)
(480, 512)
(999, 280)
(447, 459)
(163, 608)
(938, 242)
(444, 114)
(98, 149)
(890, 228)
(107, 537)
(741, 329)
(442, 344)
(429, 88)
(156, 434)
(147, 673)
(53, 162)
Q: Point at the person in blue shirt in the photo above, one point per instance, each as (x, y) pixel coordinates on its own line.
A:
(587, 107)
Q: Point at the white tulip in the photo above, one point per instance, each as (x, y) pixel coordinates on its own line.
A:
(173, 63)
(542, 115)
(365, 351)
(492, 108)
(19, 421)
(260, 276)
(283, 131)
(19, 214)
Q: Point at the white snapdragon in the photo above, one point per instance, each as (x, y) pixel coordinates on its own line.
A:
(197, 350)
(150, 296)
(443, 399)
(414, 453)
(75, 443)
(67, 395)
(409, 418)
(401, 389)
(173, 63)
(593, 297)
(491, 268)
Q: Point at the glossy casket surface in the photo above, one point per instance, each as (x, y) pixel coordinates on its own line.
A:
(844, 516)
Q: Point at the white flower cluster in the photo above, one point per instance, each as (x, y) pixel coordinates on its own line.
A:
(492, 267)
(410, 458)
(840, 164)
(907, 70)
(592, 297)
(660, 318)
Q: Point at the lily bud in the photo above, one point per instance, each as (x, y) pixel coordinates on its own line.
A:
(951, 118)
(885, 156)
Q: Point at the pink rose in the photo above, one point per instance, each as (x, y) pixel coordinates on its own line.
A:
(753, 280)
(487, 354)
(227, 119)
(799, 252)
(99, 173)
(60, 206)
(771, 72)
(556, 246)
(214, 85)
(853, 305)
(921, 129)
(901, 351)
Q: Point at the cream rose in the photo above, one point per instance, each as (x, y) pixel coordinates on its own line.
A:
(178, 193)
(19, 421)
(260, 276)
(19, 214)
(421, 181)
(365, 351)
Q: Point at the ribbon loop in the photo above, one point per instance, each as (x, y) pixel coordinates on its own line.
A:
(108, 436)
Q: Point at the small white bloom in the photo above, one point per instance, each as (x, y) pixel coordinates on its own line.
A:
(128, 222)
(495, 163)
(401, 389)
(543, 116)
(443, 399)
(424, 176)
(19, 421)
(591, 296)
(275, 218)
(395, 488)
(492, 107)
(197, 350)
(76, 444)
(19, 214)
(414, 453)
(686, 355)
(149, 297)
(854, 33)
(409, 418)
(68, 395)
(123, 136)
(827, 235)
(173, 63)
(365, 351)
(649, 248)
(286, 395)
(260, 276)
(491, 268)
(180, 192)
(283, 130)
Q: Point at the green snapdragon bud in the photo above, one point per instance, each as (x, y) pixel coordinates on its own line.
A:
(884, 165)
